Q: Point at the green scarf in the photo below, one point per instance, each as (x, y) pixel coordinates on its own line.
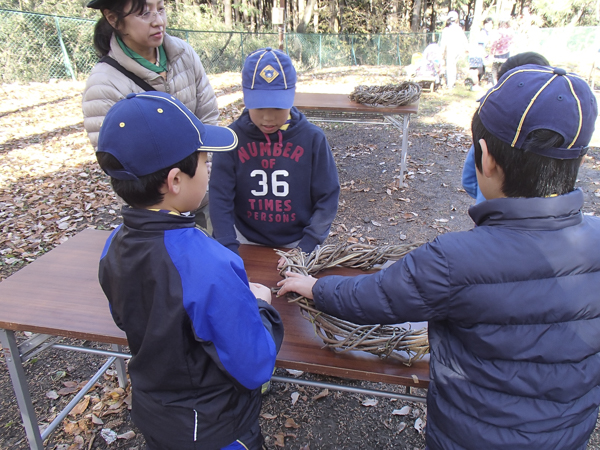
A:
(162, 58)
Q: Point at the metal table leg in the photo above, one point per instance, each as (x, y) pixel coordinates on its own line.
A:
(19, 382)
(404, 127)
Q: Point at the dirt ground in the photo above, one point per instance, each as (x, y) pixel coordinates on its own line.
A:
(50, 189)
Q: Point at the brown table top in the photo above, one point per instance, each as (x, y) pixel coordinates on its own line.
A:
(341, 102)
(59, 294)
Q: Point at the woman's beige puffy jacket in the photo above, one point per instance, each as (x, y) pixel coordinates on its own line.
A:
(186, 80)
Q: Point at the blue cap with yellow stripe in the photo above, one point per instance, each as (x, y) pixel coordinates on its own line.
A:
(530, 98)
(151, 131)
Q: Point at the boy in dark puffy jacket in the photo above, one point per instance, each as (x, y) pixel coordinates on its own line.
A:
(203, 340)
(513, 304)
(280, 186)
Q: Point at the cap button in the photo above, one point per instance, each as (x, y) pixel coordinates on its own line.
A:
(559, 71)
(132, 95)
(268, 49)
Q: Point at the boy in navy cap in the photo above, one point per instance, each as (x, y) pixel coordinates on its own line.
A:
(203, 339)
(513, 304)
(280, 187)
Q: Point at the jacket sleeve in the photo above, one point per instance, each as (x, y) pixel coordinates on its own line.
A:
(469, 174)
(414, 289)
(240, 333)
(207, 109)
(325, 193)
(100, 94)
(222, 197)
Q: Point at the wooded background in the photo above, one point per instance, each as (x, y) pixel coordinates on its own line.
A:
(346, 16)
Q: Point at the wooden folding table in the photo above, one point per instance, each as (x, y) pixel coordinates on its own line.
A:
(339, 108)
(58, 295)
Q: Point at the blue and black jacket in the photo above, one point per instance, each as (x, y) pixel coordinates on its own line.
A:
(202, 344)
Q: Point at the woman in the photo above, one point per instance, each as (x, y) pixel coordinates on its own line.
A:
(132, 32)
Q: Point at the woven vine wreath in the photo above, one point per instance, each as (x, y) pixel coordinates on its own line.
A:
(386, 341)
(389, 95)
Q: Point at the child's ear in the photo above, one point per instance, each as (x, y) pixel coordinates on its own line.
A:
(488, 163)
(173, 181)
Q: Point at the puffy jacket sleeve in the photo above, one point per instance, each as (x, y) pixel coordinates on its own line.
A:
(240, 333)
(414, 289)
(104, 87)
(325, 193)
(222, 199)
(207, 109)
(469, 175)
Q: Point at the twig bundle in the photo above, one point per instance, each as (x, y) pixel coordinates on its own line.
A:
(389, 95)
(386, 341)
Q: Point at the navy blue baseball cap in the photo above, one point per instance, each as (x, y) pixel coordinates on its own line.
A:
(151, 131)
(268, 80)
(530, 97)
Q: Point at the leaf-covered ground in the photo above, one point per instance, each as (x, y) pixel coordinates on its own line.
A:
(51, 188)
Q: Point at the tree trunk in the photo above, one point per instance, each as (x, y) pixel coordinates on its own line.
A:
(227, 13)
(477, 19)
(433, 18)
(415, 21)
(310, 6)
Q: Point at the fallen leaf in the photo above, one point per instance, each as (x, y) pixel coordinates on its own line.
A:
(377, 224)
(77, 444)
(322, 394)
(268, 416)
(279, 440)
(97, 420)
(80, 407)
(289, 423)
(52, 395)
(404, 411)
(415, 379)
(108, 435)
(71, 427)
(67, 391)
(127, 435)
(295, 373)
(370, 402)
(419, 425)
(295, 397)
(401, 427)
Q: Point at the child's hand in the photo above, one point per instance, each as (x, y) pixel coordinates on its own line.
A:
(261, 291)
(300, 284)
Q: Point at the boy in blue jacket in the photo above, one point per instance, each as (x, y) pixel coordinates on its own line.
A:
(280, 186)
(203, 340)
(513, 304)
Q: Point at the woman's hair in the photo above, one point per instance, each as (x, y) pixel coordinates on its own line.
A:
(520, 60)
(104, 30)
(145, 191)
(527, 174)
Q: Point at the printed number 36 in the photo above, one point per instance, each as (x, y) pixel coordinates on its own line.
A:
(279, 188)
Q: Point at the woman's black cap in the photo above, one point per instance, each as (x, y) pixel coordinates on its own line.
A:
(101, 4)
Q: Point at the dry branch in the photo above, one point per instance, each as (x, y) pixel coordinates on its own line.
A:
(386, 341)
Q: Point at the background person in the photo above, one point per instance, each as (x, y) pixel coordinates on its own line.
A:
(454, 46)
(133, 33)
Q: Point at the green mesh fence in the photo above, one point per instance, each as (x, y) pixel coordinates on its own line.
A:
(38, 47)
